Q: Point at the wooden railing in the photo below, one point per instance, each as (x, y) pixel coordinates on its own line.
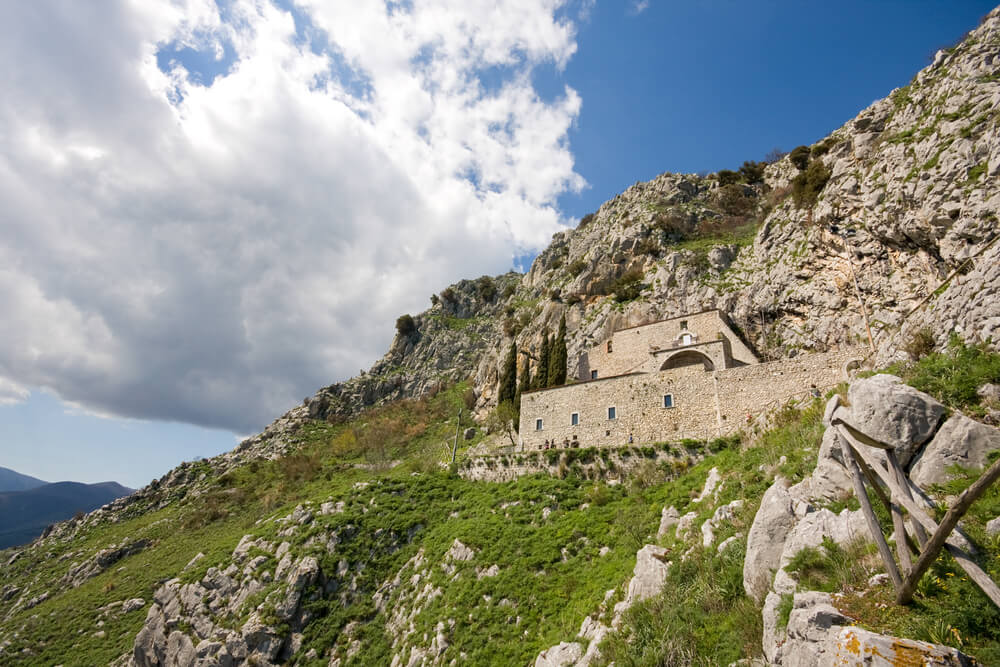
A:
(930, 535)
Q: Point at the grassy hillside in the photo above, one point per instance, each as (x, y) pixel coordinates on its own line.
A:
(402, 512)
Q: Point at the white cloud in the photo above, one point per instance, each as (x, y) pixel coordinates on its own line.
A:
(211, 246)
(638, 7)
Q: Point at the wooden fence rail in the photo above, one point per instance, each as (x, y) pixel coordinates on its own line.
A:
(930, 536)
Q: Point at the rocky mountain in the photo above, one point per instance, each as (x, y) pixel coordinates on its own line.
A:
(893, 217)
(354, 529)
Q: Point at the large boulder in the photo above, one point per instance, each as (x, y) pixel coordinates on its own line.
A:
(830, 480)
(810, 530)
(668, 519)
(564, 654)
(818, 635)
(649, 575)
(891, 412)
(960, 441)
(766, 539)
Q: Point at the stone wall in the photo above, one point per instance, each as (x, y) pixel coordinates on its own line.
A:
(607, 464)
(643, 348)
(702, 404)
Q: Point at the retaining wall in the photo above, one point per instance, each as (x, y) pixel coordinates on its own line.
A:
(704, 404)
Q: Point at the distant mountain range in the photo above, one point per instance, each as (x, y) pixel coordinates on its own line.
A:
(11, 480)
(29, 505)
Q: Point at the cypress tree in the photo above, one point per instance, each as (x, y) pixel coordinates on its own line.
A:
(558, 357)
(508, 378)
(542, 377)
(525, 384)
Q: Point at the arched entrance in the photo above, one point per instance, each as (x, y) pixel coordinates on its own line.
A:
(688, 358)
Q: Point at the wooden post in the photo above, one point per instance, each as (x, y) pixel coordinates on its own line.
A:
(937, 541)
(902, 480)
(963, 559)
(458, 429)
(876, 530)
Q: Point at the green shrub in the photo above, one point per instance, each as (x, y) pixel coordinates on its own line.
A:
(823, 147)
(800, 157)
(648, 246)
(405, 325)
(954, 376)
(628, 286)
(920, 344)
(674, 224)
(753, 172)
(486, 288)
(585, 220)
(734, 200)
(728, 177)
(576, 267)
(809, 183)
(830, 567)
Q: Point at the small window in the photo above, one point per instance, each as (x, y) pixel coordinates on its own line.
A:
(538, 424)
(609, 347)
(684, 324)
(668, 400)
(593, 375)
(574, 419)
(686, 339)
(611, 413)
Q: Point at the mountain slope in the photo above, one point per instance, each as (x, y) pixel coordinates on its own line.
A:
(337, 537)
(25, 514)
(895, 211)
(11, 480)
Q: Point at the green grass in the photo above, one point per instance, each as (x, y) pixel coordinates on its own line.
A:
(954, 375)
(550, 572)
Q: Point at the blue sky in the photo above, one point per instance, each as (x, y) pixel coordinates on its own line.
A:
(195, 229)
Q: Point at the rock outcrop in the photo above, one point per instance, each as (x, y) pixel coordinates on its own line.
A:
(789, 521)
(960, 441)
(819, 635)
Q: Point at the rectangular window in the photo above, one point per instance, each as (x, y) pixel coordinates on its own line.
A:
(574, 419)
(684, 324)
(668, 400)
(593, 375)
(609, 347)
(538, 424)
(611, 413)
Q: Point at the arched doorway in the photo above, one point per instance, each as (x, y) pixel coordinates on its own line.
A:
(688, 358)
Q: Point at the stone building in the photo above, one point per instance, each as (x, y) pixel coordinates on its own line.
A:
(684, 377)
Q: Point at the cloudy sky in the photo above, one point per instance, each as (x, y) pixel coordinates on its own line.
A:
(211, 208)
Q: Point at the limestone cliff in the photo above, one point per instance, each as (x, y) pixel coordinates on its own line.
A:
(903, 198)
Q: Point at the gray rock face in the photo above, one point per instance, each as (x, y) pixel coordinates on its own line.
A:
(649, 575)
(959, 441)
(101, 561)
(891, 412)
(819, 635)
(668, 519)
(810, 530)
(766, 540)
(564, 654)
(207, 608)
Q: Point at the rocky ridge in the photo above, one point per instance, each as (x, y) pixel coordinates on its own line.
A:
(908, 210)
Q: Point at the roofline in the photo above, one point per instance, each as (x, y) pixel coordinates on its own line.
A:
(687, 347)
(580, 382)
(669, 319)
